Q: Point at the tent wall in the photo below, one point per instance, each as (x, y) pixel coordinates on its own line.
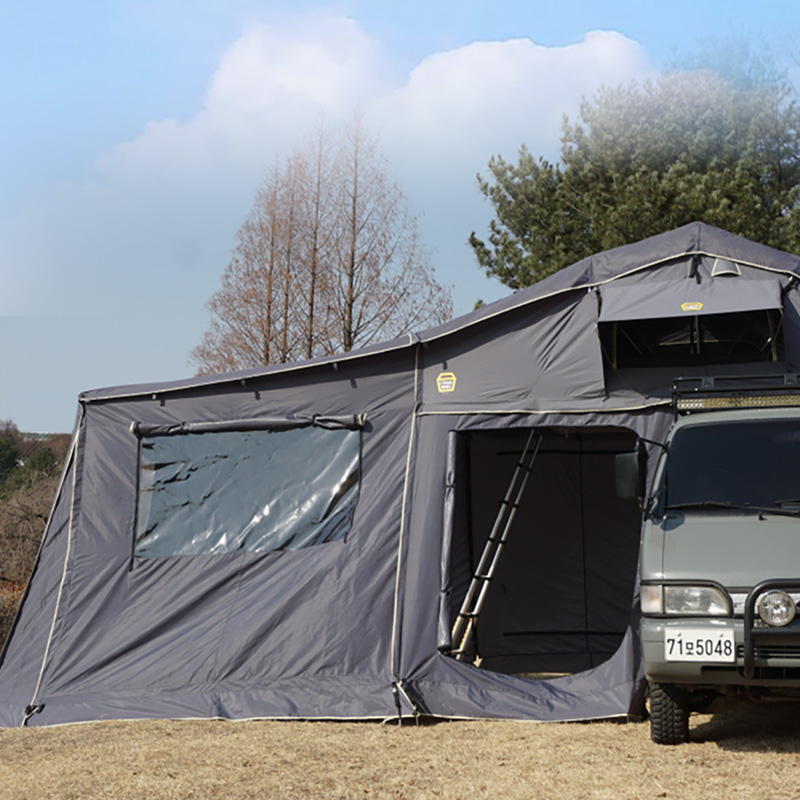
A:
(235, 635)
(559, 358)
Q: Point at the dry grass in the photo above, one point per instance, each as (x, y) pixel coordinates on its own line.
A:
(746, 753)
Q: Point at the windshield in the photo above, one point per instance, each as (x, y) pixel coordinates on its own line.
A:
(734, 464)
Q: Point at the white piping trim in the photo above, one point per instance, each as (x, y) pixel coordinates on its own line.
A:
(74, 460)
(232, 720)
(411, 438)
(417, 338)
(495, 411)
(377, 718)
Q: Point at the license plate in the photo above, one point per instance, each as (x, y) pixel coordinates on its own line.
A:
(699, 644)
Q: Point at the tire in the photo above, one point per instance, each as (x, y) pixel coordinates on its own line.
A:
(669, 714)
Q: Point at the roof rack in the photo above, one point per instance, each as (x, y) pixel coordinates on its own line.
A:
(707, 393)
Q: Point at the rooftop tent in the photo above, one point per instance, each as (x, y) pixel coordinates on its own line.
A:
(305, 540)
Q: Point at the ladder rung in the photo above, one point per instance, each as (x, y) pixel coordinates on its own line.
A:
(464, 626)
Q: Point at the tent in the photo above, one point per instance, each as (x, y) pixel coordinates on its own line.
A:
(302, 541)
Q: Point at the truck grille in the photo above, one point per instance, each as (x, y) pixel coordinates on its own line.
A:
(772, 651)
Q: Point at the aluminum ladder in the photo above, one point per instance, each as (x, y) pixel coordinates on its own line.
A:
(464, 626)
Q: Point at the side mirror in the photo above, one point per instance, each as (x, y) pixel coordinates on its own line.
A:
(631, 472)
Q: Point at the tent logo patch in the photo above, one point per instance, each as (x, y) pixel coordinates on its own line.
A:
(691, 306)
(446, 382)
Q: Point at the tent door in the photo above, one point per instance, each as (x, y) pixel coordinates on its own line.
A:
(560, 599)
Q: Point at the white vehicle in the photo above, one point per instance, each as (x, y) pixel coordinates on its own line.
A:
(720, 556)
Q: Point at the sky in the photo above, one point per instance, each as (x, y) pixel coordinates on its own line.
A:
(134, 134)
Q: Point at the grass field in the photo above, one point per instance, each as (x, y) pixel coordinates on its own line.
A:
(746, 753)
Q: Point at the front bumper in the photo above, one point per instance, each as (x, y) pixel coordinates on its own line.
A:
(764, 656)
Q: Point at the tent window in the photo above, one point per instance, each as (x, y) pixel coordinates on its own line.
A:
(246, 491)
(734, 338)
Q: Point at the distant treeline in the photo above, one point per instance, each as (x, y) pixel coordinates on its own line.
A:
(29, 468)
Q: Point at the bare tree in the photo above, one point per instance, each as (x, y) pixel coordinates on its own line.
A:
(250, 313)
(319, 213)
(328, 259)
(384, 279)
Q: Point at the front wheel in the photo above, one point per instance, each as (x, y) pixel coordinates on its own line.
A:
(669, 714)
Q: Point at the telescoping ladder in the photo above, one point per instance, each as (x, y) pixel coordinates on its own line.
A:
(464, 626)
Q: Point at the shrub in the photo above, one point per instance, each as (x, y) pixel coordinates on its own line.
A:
(23, 516)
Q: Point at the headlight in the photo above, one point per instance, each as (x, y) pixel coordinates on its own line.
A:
(776, 608)
(692, 601)
(686, 601)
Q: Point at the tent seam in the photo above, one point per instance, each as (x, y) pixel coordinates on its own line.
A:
(411, 440)
(529, 411)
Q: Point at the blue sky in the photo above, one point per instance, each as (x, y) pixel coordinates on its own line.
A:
(134, 133)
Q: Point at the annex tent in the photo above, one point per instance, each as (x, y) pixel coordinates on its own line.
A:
(298, 541)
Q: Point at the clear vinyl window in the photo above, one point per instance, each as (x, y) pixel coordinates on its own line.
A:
(246, 491)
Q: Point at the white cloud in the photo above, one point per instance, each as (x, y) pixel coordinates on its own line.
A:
(270, 88)
(328, 65)
(489, 96)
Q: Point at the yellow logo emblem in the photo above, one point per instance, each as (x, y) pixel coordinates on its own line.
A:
(691, 306)
(446, 382)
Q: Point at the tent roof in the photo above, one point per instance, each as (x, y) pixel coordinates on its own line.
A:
(696, 238)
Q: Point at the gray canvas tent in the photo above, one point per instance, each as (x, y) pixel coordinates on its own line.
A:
(298, 541)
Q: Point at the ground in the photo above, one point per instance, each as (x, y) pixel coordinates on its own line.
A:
(746, 753)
